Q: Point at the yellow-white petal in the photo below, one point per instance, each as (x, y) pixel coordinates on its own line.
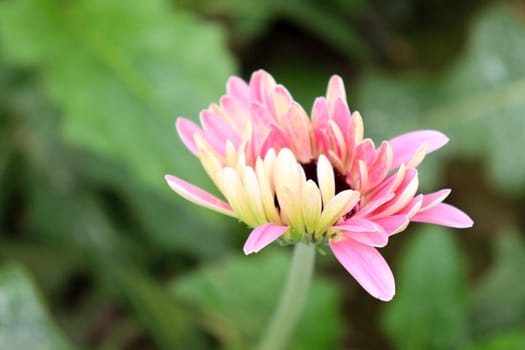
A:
(289, 198)
(267, 194)
(325, 179)
(253, 193)
(418, 157)
(311, 205)
(286, 171)
(341, 204)
(234, 192)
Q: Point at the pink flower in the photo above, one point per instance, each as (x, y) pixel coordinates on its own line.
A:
(314, 180)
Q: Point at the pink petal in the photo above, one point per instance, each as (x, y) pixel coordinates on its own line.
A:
(412, 207)
(320, 113)
(342, 117)
(217, 132)
(236, 112)
(262, 236)
(198, 196)
(406, 146)
(238, 88)
(335, 91)
(319, 125)
(187, 131)
(432, 199)
(280, 103)
(379, 169)
(275, 139)
(358, 225)
(404, 194)
(261, 124)
(372, 238)
(445, 215)
(262, 86)
(364, 231)
(367, 266)
(297, 126)
(373, 204)
(393, 224)
(366, 151)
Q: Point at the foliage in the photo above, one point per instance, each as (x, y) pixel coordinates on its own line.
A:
(482, 93)
(237, 316)
(24, 324)
(430, 309)
(97, 252)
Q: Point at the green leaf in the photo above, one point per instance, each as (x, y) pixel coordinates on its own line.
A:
(498, 300)
(478, 102)
(509, 340)
(429, 310)
(169, 227)
(236, 297)
(24, 323)
(325, 20)
(121, 74)
(164, 317)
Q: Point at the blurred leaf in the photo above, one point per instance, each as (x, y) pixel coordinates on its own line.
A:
(48, 268)
(236, 298)
(508, 340)
(168, 228)
(498, 301)
(164, 318)
(24, 323)
(429, 310)
(479, 102)
(115, 259)
(324, 20)
(64, 172)
(121, 74)
(304, 77)
(68, 212)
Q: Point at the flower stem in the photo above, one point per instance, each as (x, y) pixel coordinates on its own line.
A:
(293, 298)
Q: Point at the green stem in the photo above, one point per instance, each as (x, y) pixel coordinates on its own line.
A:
(293, 298)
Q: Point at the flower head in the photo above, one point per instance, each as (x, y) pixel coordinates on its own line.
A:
(317, 180)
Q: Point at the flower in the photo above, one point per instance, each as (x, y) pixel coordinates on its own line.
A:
(315, 180)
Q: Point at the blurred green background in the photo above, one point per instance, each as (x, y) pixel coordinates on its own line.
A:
(96, 252)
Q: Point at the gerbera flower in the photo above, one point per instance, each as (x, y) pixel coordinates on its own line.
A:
(313, 180)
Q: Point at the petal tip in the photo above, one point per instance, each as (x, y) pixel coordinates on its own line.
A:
(261, 236)
(387, 297)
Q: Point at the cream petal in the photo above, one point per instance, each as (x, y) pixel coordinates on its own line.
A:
(289, 198)
(311, 205)
(341, 204)
(233, 190)
(325, 179)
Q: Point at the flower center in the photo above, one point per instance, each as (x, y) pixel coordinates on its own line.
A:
(310, 170)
